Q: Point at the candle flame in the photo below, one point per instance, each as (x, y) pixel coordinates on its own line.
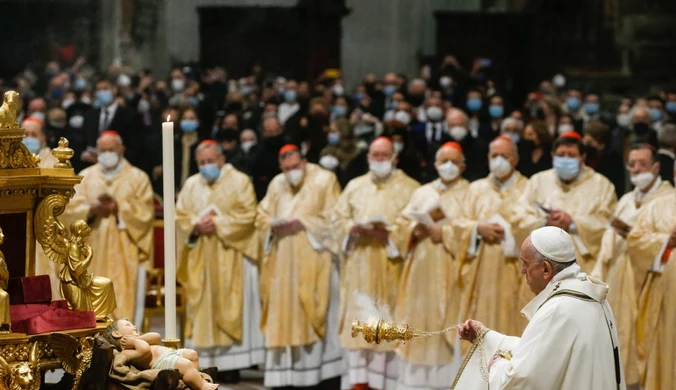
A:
(168, 118)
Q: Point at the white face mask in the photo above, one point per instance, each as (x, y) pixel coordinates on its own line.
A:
(247, 145)
(177, 85)
(448, 171)
(380, 168)
(642, 180)
(109, 160)
(295, 176)
(398, 147)
(338, 90)
(402, 116)
(328, 162)
(500, 167)
(445, 81)
(434, 113)
(76, 121)
(67, 103)
(458, 133)
(565, 128)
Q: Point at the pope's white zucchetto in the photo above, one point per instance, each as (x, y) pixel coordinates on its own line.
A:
(553, 243)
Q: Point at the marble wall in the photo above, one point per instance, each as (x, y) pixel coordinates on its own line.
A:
(378, 35)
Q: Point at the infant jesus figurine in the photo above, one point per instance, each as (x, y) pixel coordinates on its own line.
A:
(145, 352)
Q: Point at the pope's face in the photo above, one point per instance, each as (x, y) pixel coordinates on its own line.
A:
(537, 273)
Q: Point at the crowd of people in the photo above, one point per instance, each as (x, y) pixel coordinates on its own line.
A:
(313, 200)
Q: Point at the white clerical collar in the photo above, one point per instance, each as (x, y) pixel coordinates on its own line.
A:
(112, 173)
(379, 180)
(640, 195)
(441, 186)
(504, 185)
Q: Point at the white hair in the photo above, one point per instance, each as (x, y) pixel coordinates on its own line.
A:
(539, 258)
(202, 147)
(509, 121)
(667, 136)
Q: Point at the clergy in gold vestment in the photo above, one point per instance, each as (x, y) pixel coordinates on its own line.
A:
(296, 274)
(571, 196)
(364, 230)
(430, 271)
(614, 264)
(488, 275)
(36, 142)
(651, 244)
(116, 199)
(215, 215)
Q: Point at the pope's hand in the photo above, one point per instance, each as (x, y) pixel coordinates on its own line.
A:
(469, 330)
(491, 232)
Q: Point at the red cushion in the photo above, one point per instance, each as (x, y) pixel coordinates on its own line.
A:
(42, 318)
(29, 289)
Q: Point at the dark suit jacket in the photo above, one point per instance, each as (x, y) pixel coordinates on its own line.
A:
(123, 122)
(666, 166)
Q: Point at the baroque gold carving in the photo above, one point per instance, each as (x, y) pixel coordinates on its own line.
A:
(63, 153)
(82, 290)
(9, 110)
(4, 297)
(74, 354)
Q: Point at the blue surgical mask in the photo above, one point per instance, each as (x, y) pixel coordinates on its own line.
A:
(246, 90)
(339, 111)
(189, 125)
(193, 101)
(104, 97)
(32, 143)
(57, 93)
(290, 96)
(210, 172)
(573, 103)
(671, 107)
(389, 90)
(566, 167)
(474, 104)
(333, 138)
(591, 108)
(514, 137)
(656, 114)
(80, 84)
(496, 111)
(357, 97)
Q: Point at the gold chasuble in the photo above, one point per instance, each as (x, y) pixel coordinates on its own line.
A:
(295, 270)
(120, 242)
(616, 268)
(369, 267)
(429, 272)
(488, 277)
(590, 200)
(211, 268)
(655, 336)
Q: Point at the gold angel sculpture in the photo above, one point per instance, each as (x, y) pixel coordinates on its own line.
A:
(74, 355)
(9, 110)
(18, 376)
(82, 290)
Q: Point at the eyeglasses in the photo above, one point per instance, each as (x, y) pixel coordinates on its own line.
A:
(639, 164)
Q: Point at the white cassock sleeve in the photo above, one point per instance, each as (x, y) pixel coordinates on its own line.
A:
(543, 351)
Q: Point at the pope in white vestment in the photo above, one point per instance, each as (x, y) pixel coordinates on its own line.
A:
(570, 342)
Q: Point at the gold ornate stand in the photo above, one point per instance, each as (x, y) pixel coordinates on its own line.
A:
(171, 343)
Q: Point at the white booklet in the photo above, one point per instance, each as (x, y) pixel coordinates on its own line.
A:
(508, 243)
(433, 216)
(212, 210)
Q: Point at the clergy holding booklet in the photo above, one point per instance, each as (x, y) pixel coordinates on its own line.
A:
(570, 342)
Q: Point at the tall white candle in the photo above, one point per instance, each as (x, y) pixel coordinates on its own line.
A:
(169, 230)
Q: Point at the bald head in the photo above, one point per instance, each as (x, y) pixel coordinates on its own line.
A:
(504, 147)
(381, 149)
(456, 117)
(448, 153)
(248, 135)
(110, 143)
(641, 115)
